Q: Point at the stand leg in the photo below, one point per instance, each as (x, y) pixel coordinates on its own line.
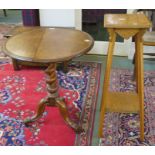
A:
(136, 75)
(140, 82)
(112, 39)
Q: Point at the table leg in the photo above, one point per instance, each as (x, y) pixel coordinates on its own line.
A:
(64, 66)
(15, 64)
(39, 112)
(4, 11)
(53, 99)
(64, 113)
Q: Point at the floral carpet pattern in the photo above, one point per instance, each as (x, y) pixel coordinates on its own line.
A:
(123, 129)
(20, 92)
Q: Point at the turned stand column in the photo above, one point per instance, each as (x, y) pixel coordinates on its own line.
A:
(125, 25)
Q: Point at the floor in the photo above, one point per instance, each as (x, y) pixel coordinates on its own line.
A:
(13, 16)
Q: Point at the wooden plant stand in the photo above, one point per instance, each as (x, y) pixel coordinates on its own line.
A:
(125, 25)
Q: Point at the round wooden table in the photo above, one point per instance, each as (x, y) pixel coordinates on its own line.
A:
(49, 46)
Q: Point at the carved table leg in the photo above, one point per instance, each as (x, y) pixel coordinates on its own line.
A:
(53, 99)
(39, 112)
(64, 112)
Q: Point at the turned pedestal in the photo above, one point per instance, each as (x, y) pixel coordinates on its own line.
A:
(125, 25)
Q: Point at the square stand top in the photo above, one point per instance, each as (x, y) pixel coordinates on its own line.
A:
(126, 21)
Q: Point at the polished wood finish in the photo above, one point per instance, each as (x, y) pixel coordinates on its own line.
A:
(126, 26)
(19, 29)
(17, 63)
(140, 79)
(126, 21)
(52, 37)
(112, 38)
(121, 102)
(39, 44)
(49, 46)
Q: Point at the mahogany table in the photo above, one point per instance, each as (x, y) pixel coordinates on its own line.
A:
(49, 46)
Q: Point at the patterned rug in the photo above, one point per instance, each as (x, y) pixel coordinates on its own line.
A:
(20, 92)
(123, 129)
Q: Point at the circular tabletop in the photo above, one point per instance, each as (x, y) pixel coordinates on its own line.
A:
(48, 44)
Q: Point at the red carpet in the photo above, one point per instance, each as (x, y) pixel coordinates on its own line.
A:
(20, 92)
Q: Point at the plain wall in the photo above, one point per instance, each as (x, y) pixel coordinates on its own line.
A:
(57, 17)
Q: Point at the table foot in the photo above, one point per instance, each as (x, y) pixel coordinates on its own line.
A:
(40, 110)
(63, 67)
(64, 112)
